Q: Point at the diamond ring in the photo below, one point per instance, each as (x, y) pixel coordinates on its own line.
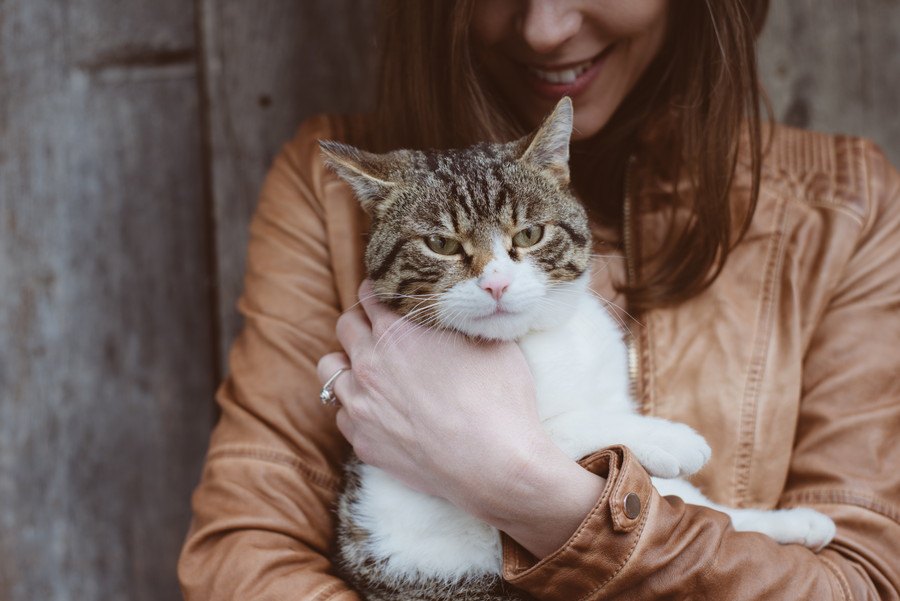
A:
(327, 395)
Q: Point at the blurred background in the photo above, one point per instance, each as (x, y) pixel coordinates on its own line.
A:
(134, 136)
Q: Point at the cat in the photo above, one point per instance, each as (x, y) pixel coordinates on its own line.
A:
(490, 242)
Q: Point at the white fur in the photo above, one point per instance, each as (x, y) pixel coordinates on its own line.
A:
(579, 363)
(421, 535)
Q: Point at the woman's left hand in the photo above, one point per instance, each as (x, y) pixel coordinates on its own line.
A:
(455, 418)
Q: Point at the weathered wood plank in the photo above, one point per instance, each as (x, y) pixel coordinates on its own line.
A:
(105, 343)
(833, 65)
(268, 66)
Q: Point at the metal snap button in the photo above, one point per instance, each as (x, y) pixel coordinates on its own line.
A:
(632, 505)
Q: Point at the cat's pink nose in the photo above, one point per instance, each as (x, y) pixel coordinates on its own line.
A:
(494, 284)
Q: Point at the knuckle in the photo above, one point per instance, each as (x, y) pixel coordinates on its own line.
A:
(324, 365)
(358, 411)
(349, 319)
(343, 324)
(366, 374)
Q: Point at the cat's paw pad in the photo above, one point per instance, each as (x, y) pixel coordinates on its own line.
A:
(810, 528)
(801, 526)
(676, 450)
(657, 461)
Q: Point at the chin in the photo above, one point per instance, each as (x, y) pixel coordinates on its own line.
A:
(531, 313)
(502, 326)
(590, 123)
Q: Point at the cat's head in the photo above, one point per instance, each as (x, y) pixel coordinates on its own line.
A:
(488, 241)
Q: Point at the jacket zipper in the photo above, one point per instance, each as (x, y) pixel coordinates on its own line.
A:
(631, 275)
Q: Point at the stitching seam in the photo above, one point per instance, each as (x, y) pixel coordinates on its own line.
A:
(328, 481)
(837, 193)
(843, 585)
(613, 506)
(844, 497)
(837, 208)
(760, 354)
(637, 538)
(329, 592)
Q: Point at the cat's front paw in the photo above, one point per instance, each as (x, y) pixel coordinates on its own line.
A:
(802, 526)
(671, 450)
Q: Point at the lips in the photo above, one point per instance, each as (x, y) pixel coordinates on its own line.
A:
(566, 80)
(566, 76)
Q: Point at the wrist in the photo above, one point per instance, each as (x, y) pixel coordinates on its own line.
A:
(546, 497)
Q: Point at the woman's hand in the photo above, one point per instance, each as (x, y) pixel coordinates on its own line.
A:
(455, 418)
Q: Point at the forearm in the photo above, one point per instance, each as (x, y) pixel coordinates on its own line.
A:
(260, 530)
(673, 550)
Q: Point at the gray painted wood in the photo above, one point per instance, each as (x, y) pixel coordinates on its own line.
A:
(834, 65)
(121, 140)
(268, 66)
(105, 345)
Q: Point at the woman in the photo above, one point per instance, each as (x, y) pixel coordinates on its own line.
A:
(762, 267)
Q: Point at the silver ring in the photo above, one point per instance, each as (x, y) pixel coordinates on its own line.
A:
(327, 395)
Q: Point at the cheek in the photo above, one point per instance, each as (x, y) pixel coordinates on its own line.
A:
(639, 28)
(491, 19)
(639, 31)
(630, 17)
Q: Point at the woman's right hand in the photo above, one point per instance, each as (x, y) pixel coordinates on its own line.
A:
(455, 418)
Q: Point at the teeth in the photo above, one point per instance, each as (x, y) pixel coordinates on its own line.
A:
(566, 76)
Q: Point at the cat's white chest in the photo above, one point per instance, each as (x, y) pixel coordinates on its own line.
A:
(579, 366)
(582, 364)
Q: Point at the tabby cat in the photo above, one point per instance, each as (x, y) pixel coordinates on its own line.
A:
(490, 242)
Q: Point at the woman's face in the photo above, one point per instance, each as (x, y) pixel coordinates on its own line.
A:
(538, 51)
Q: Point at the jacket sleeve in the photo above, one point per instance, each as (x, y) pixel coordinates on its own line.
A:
(262, 521)
(846, 464)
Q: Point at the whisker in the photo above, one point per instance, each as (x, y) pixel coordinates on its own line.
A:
(391, 295)
(403, 319)
(610, 303)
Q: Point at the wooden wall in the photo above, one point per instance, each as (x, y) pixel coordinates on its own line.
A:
(133, 138)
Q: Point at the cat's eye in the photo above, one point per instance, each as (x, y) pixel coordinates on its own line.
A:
(529, 236)
(443, 246)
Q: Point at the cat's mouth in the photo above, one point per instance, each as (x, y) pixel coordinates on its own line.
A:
(497, 312)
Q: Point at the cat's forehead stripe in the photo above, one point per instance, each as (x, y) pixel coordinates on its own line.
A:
(475, 182)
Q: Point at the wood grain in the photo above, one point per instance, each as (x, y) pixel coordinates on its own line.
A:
(833, 65)
(269, 65)
(105, 358)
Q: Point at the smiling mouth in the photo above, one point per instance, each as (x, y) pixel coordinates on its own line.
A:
(570, 79)
(566, 75)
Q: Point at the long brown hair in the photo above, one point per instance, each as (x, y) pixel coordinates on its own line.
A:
(699, 100)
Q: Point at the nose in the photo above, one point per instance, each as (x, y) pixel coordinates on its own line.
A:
(494, 284)
(546, 24)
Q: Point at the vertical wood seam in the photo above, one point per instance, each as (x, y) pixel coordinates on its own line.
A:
(209, 205)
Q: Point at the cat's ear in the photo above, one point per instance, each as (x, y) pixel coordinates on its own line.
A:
(548, 147)
(367, 173)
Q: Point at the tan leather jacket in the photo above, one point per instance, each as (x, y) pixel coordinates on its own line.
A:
(789, 365)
